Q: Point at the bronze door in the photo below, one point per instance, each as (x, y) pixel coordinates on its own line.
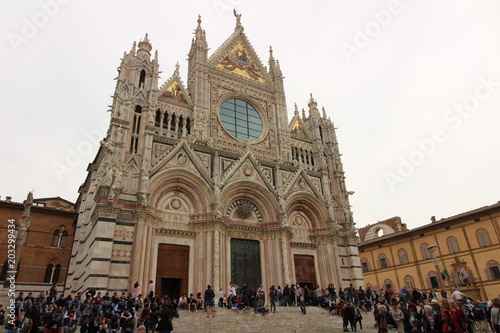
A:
(245, 262)
(304, 270)
(173, 270)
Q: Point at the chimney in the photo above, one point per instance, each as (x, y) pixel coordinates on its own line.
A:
(8, 199)
(433, 219)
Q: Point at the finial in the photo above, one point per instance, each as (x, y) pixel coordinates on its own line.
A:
(270, 52)
(132, 51)
(199, 21)
(303, 114)
(296, 112)
(156, 56)
(176, 72)
(324, 112)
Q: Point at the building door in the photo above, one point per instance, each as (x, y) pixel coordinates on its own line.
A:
(304, 270)
(245, 262)
(173, 270)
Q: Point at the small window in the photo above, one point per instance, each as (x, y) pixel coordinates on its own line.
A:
(55, 238)
(48, 273)
(364, 265)
(3, 274)
(433, 280)
(452, 245)
(494, 270)
(59, 237)
(410, 284)
(403, 257)
(384, 263)
(142, 78)
(483, 238)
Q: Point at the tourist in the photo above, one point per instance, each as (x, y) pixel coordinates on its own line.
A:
(209, 301)
(431, 322)
(183, 302)
(302, 301)
(495, 315)
(384, 319)
(412, 322)
(165, 324)
(358, 318)
(398, 316)
(450, 320)
(272, 298)
(136, 290)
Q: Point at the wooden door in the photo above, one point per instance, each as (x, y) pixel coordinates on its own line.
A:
(304, 270)
(173, 265)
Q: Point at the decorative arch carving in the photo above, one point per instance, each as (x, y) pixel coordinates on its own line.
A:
(180, 190)
(307, 206)
(265, 204)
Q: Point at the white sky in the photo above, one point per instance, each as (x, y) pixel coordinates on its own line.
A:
(398, 88)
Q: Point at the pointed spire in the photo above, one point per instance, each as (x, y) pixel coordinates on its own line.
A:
(272, 62)
(156, 56)
(324, 112)
(133, 50)
(145, 48)
(303, 114)
(296, 112)
(313, 106)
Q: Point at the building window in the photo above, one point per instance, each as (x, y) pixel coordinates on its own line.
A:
(59, 237)
(425, 251)
(241, 119)
(142, 78)
(403, 257)
(3, 274)
(382, 259)
(364, 265)
(452, 245)
(52, 273)
(483, 238)
(409, 282)
(433, 280)
(493, 270)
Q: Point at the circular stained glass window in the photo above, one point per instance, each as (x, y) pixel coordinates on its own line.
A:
(240, 119)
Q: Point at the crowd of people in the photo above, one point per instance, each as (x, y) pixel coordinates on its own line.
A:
(403, 311)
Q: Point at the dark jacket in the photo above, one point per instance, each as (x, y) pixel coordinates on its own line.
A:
(165, 325)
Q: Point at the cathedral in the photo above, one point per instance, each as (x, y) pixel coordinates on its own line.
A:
(210, 182)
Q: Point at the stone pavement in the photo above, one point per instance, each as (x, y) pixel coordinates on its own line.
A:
(285, 320)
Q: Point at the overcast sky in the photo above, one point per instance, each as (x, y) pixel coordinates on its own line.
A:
(412, 86)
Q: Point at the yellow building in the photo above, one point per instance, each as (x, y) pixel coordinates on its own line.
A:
(466, 247)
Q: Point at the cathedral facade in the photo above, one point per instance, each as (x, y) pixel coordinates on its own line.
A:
(210, 182)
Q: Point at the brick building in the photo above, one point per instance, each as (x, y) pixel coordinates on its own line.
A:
(44, 232)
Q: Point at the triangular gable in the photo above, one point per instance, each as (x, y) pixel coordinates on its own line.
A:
(247, 168)
(173, 90)
(237, 56)
(298, 129)
(182, 157)
(301, 182)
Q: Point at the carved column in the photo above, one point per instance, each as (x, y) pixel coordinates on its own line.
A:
(216, 260)
(136, 259)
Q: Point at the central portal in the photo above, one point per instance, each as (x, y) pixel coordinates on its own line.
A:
(173, 270)
(245, 262)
